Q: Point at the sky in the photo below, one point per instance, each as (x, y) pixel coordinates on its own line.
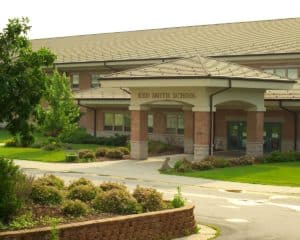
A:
(54, 18)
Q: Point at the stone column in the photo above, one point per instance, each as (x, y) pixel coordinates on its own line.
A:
(188, 131)
(201, 137)
(138, 137)
(255, 131)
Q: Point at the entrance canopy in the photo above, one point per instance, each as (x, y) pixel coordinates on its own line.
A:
(196, 71)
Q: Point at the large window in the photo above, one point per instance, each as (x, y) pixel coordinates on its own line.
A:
(94, 80)
(119, 122)
(150, 123)
(75, 81)
(175, 123)
(291, 73)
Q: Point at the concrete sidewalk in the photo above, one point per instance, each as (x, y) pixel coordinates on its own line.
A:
(147, 170)
(205, 233)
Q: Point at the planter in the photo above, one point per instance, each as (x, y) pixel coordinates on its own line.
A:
(166, 224)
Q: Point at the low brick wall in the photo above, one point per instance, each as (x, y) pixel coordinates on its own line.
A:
(166, 224)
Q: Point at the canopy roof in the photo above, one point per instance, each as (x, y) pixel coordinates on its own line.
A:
(196, 67)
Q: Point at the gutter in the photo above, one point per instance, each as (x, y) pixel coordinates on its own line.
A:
(95, 116)
(211, 113)
(295, 114)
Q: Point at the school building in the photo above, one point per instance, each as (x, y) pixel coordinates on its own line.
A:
(221, 87)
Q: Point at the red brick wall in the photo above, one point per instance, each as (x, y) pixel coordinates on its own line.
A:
(202, 126)
(139, 126)
(167, 224)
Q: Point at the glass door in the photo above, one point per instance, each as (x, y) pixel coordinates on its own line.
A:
(272, 137)
(237, 135)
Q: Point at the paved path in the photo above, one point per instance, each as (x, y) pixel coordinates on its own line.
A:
(256, 212)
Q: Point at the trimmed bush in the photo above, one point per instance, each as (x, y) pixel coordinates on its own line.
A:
(149, 198)
(107, 186)
(86, 155)
(79, 182)
(276, 157)
(116, 201)
(221, 163)
(84, 193)
(114, 154)
(178, 200)
(101, 151)
(12, 142)
(72, 157)
(203, 165)
(51, 181)
(183, 165)
(75, 208)
(10, 178)
(46, 195)
(124, 150)
(242, 161)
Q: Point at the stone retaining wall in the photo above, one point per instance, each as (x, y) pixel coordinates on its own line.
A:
(166, 224)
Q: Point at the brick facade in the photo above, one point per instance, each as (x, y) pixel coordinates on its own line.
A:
(167, 224)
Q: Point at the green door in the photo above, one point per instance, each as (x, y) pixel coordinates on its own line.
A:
(272, 137)
(236, 135)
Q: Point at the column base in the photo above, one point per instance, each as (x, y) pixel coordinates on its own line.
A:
(139, 150)
(200, 152)
(188, 146)
(255, 149)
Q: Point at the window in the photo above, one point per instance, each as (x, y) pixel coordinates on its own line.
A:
(175, 123)
(291, 73)
(119, 122)
(150, 123)
(75, 81)
(94, 80)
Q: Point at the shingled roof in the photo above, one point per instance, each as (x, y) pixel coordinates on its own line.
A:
(195, 67)
(246, 38)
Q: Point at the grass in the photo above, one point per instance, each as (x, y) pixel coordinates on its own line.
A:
(37, 154)
(282, 174)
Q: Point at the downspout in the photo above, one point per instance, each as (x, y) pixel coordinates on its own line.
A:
(211, 127)
(95, 116)
(295, 114)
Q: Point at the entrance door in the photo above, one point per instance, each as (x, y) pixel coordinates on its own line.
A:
(237, 135)
(272, 137)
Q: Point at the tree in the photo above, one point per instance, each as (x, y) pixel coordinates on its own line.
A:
(60, 114)
(22, 78)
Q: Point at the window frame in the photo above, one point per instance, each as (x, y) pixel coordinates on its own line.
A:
(114, 127)
(91, 78)
(178, 130)
(73, 86)
(286, 69)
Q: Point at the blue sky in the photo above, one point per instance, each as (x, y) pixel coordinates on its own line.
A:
(66, 17)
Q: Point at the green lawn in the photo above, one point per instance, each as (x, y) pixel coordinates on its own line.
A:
(37, 154)
(4, 135)
(283, 174)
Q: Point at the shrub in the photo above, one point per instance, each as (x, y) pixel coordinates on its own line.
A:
(79, 182)
(221, 163)
(277, 156)
(11, 142)
(124, 150)
(10, 178)
(87, 155)
(23, 221)
(101, 151)
(107, 186)
(75, 208)
(52, 146)
(203, 165)
(178, 200)
(50, 180)
(114, 154)
(36, 145)
(149, 198)
(156, 147)
(26, 139)
(116, 201)
(45, 195)
(183, 165)
(84, 193)
(72, 157)
(242, 161)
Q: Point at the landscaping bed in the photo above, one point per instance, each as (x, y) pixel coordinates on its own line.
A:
(27, 203)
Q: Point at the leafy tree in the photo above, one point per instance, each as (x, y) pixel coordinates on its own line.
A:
(22, 78)
(60, 114)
